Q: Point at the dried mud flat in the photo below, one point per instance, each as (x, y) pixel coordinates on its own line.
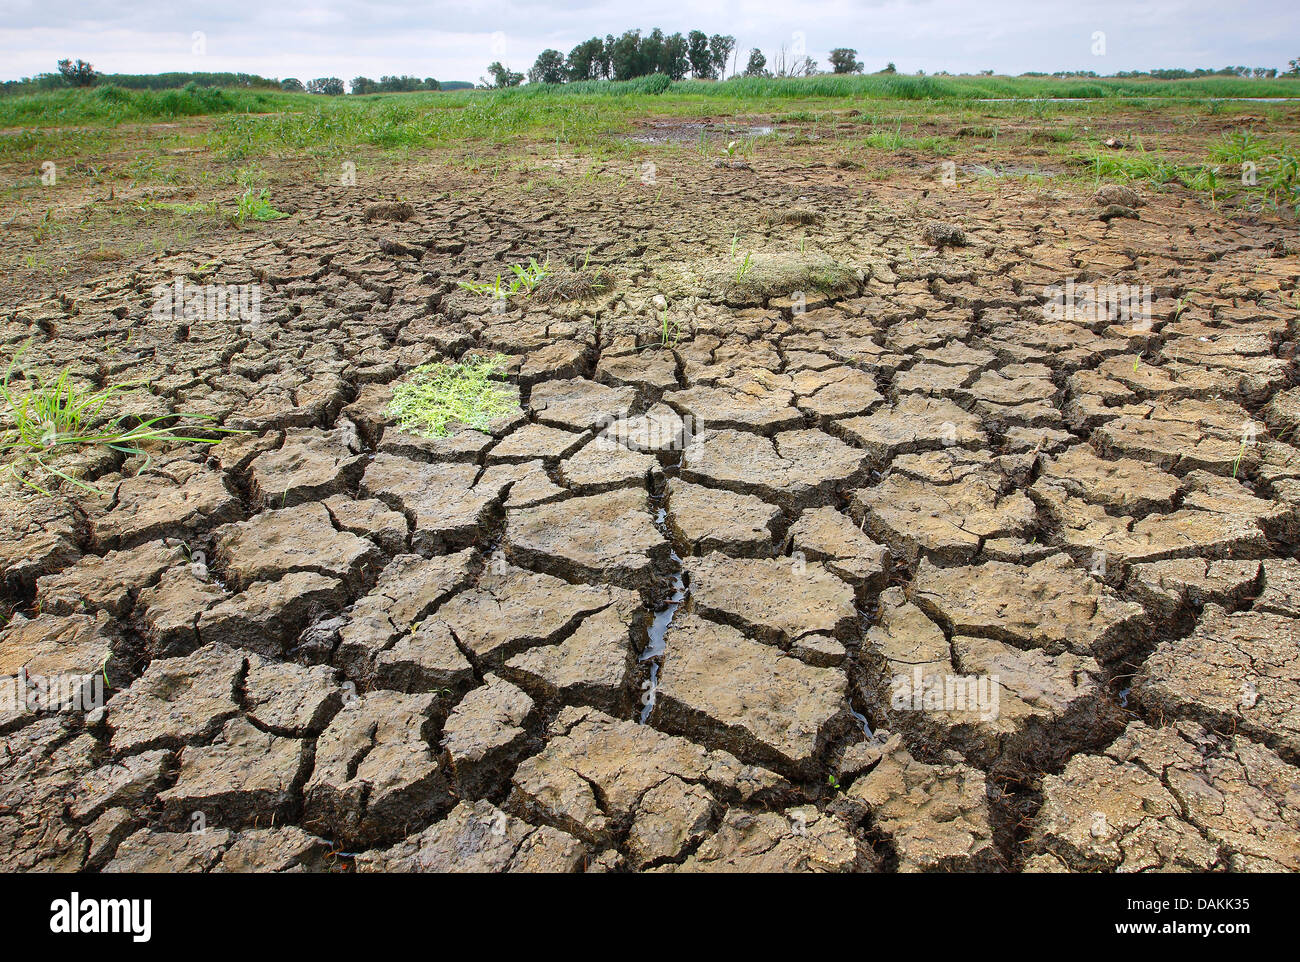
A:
(331, 645)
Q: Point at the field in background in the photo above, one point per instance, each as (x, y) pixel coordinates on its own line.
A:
(142, 170)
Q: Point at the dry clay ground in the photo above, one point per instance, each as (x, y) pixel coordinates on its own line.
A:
(332, 645)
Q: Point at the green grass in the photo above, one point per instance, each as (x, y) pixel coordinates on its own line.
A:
(1277, 174)
(670, 330)
(907, 87)
(526, 278)
(115, 105)
(255, 204)
(437, 114)
(69, 124)
(471, 393)
(109, 104)
(47, 419)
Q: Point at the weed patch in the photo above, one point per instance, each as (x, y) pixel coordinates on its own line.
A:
(471, 393)
(44, 420)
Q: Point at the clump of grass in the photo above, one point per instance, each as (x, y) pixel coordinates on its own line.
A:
(187, 208)
(103, 253)
(470, 393)
(745, 266)
(255, 204)
(47, 419)
(1235, 148)
(759, 276)
(525, 280)
(670, 330)
(573, 285)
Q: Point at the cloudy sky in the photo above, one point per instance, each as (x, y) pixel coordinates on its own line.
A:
(456, 40)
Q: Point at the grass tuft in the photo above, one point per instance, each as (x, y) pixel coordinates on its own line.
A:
(256, 205)
(470, 393)
(47, 419)
(525, 280)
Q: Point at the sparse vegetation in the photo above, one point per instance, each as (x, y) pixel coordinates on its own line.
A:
(525, 280)
(573, 285)
(42, 420)
(255, 204)
(471, 393)
(1274, 179)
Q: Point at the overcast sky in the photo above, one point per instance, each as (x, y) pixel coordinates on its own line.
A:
(456, 40)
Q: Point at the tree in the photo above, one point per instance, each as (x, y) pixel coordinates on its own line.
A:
(364, 85)
(650, 54)
(586, 61)
(889, 68)
(503, 76)
(607, 57)
(292, 85)
(548, 68)
(675, 59)
(720, 48)
(801, 67)
(625, 57)
(403, 84)
(845, 60)
(697, 52)
(757, 65)
(79, 74)
(330, 86)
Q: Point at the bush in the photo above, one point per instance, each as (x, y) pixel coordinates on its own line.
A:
(655, 83)
(111, 95)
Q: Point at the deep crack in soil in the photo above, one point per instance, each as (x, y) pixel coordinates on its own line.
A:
(793, 452)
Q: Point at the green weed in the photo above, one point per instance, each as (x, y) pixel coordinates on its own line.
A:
(47, 419)
(471, 393)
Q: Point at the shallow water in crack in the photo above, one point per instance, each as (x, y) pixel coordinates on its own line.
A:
(862, 720)
(658, 631)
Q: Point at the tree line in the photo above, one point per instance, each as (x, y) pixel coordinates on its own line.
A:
(674, 56)
(79, 73)
(627, 57)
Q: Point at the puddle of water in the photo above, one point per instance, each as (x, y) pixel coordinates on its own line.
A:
(664, 617)
(658, 632)
(650, 687)
(862, 720)
(657, 645)
(682, 133)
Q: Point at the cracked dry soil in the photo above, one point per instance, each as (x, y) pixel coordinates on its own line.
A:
(333, 646)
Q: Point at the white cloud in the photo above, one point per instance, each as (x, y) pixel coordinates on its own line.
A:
(452, 40)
